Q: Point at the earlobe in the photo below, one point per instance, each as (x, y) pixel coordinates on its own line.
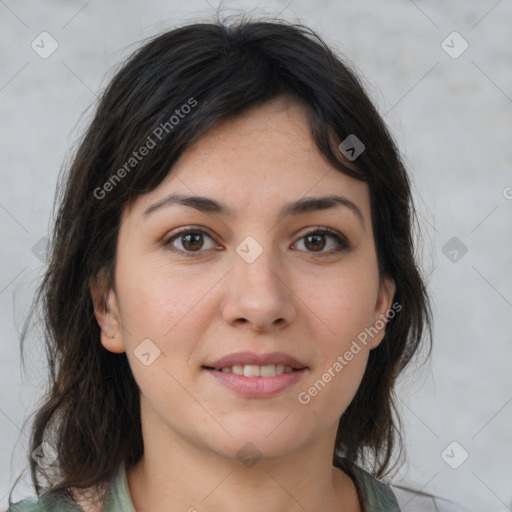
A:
(382, 308)
(106, 313)
(112, 342)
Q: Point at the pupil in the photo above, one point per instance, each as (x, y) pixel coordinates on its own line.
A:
(317, 238)
(187, 238)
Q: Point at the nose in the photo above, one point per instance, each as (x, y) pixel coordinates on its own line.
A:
(259, 294)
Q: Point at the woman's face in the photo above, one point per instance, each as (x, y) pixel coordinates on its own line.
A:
(261, 278)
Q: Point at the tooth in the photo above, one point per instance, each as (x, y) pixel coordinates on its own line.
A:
(268, 370)
(251, 370)
(238, 369)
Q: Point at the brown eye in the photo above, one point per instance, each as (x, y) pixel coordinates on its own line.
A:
(316, 241)
(191, 241)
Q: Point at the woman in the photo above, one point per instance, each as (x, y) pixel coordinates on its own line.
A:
(232, 289)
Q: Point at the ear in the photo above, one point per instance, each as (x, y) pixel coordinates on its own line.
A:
(385, 296)
(106, 311)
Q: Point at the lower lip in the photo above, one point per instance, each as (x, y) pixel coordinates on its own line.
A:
(257, 387)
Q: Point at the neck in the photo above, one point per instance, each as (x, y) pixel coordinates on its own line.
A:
(176, 475)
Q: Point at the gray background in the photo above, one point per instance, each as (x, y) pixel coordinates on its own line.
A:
(451, 117)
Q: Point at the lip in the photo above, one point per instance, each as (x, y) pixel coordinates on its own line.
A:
(241, 358)
(257, 387)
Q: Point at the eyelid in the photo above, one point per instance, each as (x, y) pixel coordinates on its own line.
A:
(311, 230)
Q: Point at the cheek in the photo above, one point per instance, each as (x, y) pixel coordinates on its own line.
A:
(169, 308)
(346, 305)
(329, 392)
(155, 298)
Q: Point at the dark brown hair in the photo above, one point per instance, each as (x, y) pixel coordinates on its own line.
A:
(90, 414)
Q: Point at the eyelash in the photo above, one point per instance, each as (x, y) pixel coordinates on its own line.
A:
(341, 241)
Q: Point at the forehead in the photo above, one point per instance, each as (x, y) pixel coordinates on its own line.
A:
(256, 162)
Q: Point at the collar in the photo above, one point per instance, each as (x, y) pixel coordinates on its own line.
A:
(376, 496)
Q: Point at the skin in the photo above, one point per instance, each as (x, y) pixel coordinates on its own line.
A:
(310, 303)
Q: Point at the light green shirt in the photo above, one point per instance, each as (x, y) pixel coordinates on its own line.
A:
(379, 496)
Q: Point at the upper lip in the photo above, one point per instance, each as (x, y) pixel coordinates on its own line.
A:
(242, 358)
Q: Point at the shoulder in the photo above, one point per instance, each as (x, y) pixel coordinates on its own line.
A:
(380, 497)
(50, 502)
(417, 501)
(116, 499)
(376, 495)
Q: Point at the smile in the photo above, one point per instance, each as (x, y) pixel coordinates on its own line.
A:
(257, 384)
(253, 370)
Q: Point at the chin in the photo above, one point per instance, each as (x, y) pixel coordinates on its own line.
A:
(260, 441)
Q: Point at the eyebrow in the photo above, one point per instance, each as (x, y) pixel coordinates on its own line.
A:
(301, 206)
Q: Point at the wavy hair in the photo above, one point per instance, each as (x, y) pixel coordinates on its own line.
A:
(90, 412)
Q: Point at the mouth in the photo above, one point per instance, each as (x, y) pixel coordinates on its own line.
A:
(251, 364)
(257, 376)
(253, 370)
